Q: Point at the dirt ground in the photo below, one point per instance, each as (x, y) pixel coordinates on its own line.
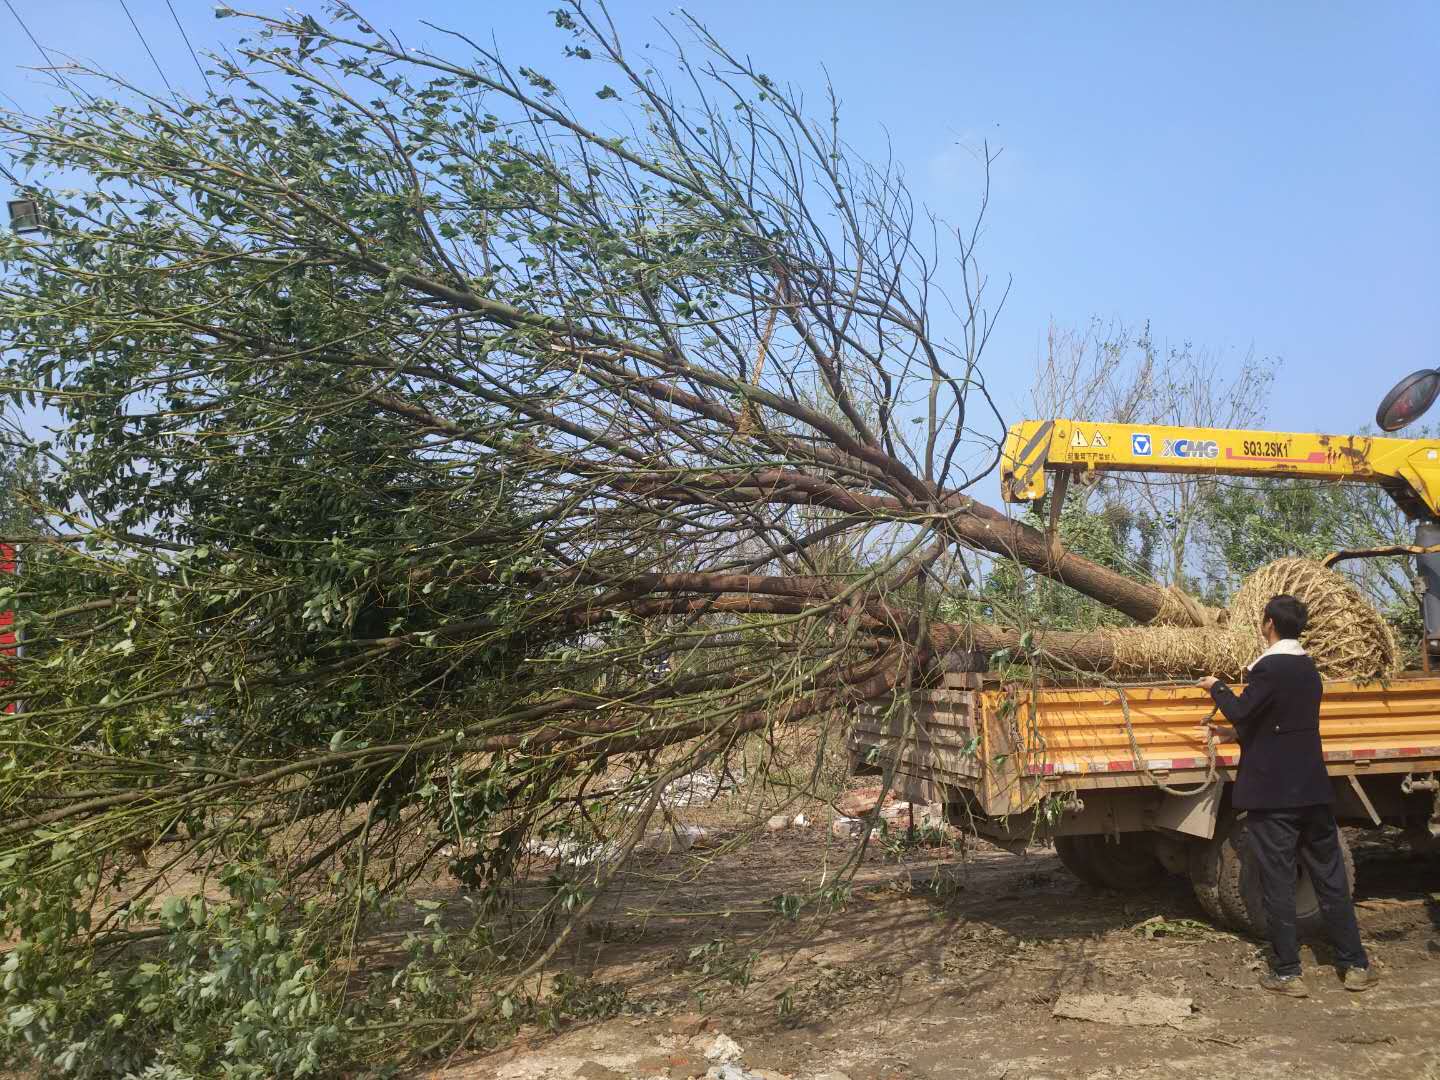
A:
(953, 968)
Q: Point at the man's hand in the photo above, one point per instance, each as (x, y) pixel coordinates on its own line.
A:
(1221, 733)
(1207, 682)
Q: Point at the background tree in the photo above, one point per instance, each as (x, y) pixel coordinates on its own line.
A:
(1106, 530)
(1111, 373)
(1253, 522)
(1204, 533)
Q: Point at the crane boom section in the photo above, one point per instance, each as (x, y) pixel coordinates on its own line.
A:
(1408, 468)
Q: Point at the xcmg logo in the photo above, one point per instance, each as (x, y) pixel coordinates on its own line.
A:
(1190, 448)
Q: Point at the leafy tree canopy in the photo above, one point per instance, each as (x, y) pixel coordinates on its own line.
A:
(433, 467)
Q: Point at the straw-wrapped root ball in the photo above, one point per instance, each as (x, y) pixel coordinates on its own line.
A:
(1346, 635)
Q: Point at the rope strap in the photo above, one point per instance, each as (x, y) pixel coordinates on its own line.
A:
(1212, 772)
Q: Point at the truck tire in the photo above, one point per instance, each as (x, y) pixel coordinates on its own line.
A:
(1125, 863)
(1309, 920)
(1227, 884)
(1075, 855)
(1206, 873)
(1231, 877)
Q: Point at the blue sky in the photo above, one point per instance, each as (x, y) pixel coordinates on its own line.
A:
(1251, 177)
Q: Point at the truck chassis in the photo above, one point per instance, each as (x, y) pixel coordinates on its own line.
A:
(1121, 779)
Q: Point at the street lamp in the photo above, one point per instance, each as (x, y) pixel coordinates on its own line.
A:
(24, 216)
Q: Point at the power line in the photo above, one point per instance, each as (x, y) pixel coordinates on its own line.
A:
(179, 26)
(145, 43)
(28, 34)
(54, 70)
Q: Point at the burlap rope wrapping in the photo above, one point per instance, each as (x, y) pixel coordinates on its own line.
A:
(1346, 636)
(1179, 608)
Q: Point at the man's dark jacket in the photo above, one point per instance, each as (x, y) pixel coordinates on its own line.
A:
(1277, 719)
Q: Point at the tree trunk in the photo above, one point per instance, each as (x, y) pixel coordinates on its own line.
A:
(971, 522)
(1086, 650)
(987, 528)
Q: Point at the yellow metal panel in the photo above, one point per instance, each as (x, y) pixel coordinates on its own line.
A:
(1033, 446)
(1081, 735)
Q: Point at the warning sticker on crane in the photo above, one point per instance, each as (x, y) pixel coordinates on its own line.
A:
(1098, 443)
(1077, 440)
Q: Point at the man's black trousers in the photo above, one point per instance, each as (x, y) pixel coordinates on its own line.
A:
(1277, 837)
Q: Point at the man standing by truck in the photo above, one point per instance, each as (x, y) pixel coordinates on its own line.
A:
(1286, 796)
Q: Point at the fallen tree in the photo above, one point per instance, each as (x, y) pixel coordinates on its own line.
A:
(436, 465)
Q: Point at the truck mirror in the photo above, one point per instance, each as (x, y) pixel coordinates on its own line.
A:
(1408, 401)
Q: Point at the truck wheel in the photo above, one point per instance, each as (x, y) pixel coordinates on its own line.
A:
(1205, 873)
(1231, 879)
(1075, 854)
(1227, 883)
(1124, 864)
(1241, 892)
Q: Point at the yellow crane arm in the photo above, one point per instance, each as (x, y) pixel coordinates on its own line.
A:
(1409, 469)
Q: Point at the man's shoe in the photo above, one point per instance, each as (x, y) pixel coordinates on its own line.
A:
(1358, 979)
(1287, 985)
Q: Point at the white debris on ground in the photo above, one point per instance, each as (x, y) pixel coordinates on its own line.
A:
(846, 828)
(781, 822)
(927, 815)
(896, 817)
(691, 1048)
(723, 1050)
(559, 850)
(672, 839)
(729, 1056)
(577, 856)
(730, 1072)
(700, 787)
(854, 808)
(667, 840)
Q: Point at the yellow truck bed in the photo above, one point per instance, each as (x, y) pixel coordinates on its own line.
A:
(1008, 748)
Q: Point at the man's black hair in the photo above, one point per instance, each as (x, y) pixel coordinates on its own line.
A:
(1288, 614)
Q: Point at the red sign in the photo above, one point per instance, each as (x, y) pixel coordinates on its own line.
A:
(9, 643)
